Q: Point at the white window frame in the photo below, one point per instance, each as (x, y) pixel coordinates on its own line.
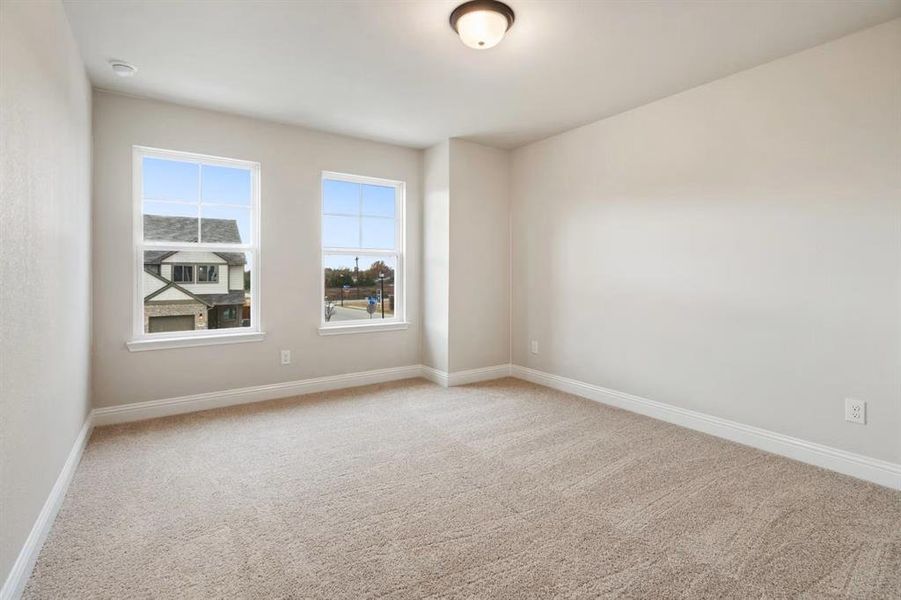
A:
(399, 320)
(177, 339)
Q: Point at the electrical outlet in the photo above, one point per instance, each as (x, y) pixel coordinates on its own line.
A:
(855, 411)
(286, 357)
(534, 346)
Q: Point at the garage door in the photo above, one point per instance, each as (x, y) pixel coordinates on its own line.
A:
(177, 323)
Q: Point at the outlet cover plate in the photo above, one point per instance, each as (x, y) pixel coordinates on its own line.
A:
(855, 411)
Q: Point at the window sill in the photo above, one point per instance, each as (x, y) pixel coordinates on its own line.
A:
(191, 341)
(367, 328)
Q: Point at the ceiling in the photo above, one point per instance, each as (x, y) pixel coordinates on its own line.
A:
(393, 70)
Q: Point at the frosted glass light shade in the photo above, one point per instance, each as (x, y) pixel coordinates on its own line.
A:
(482, 24)
(481, 29)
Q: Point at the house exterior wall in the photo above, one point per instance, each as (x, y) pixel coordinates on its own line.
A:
(152, 284)
(198, 258)
(206, 258)
(236, 277)
(220, 287)
(172, 295)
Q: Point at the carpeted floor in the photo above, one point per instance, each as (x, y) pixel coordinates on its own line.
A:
(496, 490)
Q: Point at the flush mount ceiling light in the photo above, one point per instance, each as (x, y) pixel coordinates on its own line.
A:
(482, 24)
(122, 68)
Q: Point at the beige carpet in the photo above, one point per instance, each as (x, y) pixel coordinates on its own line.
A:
(497, 490)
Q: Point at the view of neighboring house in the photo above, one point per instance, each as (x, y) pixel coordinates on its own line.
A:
(193, 290)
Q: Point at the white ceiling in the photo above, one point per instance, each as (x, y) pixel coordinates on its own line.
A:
(393, 70)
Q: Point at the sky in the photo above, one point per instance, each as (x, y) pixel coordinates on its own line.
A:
(354, 215)
(357, 215)
(342, 261)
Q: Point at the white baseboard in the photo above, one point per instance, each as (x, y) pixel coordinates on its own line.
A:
(28, 555)
(445, 379)
(152, 409)
(434, 375)
(856, 465)
(476, 375)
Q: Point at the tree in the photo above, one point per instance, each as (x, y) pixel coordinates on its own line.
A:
(338, 277)
(371, 275)
(330, 310)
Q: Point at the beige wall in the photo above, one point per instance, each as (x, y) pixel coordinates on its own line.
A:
(436, 256)
(45, 306)
(479, 324)
(292, 160)
(734, 249)
(466, 242)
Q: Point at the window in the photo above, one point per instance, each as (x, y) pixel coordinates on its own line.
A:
(196, 249)
(208, 274)
(181, 273)
(362, 253)
(185, 273)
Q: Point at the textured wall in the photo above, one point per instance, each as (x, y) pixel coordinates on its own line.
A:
(436, 256)
(45, 243)
(466, 237)
(479, 324)
(733, 249)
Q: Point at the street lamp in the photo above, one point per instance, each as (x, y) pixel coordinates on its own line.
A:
(382, 296)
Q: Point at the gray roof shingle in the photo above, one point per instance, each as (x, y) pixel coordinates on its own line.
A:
(184, 229)
(233, 297)
(154, 257)
(232, 258)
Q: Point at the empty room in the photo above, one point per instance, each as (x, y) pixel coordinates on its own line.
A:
(408, 299)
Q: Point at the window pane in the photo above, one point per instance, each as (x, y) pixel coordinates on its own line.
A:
(378, 201)
(340, 232)
(178, 209)
(183, 273)
(174, 305)
(170, 179)
(340, 197)
(208, 274)
(226, 185)
(353, 288)
(378, 233)
(226, 225)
